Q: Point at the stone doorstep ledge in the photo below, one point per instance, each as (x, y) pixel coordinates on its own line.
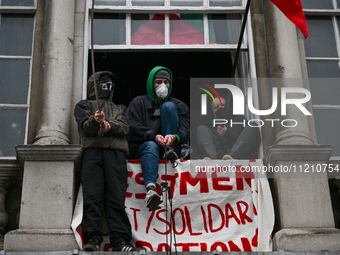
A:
(48, 153)
(34, 240)
(297, 153)
(10, 168)
(307, 240)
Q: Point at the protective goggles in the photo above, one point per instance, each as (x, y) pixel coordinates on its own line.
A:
(108, 85)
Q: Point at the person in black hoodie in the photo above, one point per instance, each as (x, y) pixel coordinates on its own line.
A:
(104, 172)
(159, 124)
(230, 141)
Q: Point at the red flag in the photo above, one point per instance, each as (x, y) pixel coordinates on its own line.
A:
(293, 11)
(152, 32)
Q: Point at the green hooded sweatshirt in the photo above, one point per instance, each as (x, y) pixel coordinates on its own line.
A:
(149, 84)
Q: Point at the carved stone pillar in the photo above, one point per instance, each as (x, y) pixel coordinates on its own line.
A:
(57, 73)
(48, 195)
(304, 217)
(285, 70)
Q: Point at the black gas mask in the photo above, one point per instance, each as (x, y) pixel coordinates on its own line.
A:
(105, 89)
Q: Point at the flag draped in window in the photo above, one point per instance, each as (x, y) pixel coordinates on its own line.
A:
(181, 32)
(293, 11)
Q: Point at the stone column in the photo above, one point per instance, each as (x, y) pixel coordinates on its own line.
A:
(57, 73)
(304, 217)
(48, 195)
(285, 71)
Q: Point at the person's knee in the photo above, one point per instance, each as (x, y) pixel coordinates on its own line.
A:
(151, 147)
(168, 107)
(202, 129)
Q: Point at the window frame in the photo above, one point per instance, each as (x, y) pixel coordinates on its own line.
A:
(20, 10)
(335, 17)
(128, 9)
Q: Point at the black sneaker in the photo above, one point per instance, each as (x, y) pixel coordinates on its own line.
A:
(92, 245)
(170, 154)
(124, 247)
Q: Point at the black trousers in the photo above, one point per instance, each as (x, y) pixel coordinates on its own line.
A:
(104, 181)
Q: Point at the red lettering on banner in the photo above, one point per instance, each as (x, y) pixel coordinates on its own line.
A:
(129, 194)
(135, 210)
(165, 246)
(216, 182)
(186, 246)
(149, 222)
(254, 210)
(183, 221)
(211, 218)
(204, 247)
(219, 244)
(144, 244)
(164, 221)
(186, 177)
(204, 219)
(233, 246)
(243, 214)
(139, 179)
(229, 213)
(187, 216)
(107, 247)
(254, 241)
(172, 180)
(241, 175)
(246, 244)
(217, 217)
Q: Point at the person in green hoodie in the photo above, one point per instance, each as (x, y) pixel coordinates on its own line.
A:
(159, 124)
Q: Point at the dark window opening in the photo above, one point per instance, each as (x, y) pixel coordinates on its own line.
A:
(132, 69)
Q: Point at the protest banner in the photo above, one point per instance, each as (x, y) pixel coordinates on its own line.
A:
(216, 205)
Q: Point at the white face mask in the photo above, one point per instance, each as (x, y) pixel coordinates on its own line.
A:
(161, 91)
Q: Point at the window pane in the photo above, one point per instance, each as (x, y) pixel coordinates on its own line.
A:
(325, 91)
(17, 2)
(14, 81)
(12, 130)
(326, 69)
(186, 29)
(147, 29)
(109, 29)
(186, 3)
(317, 4)
(338, 3)
(326, 120)
(225, 28)
(148, 2)
(226, 3)
(16, 33)
(110, 2)
(321, 40)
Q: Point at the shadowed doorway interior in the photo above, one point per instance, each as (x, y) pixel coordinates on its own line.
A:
(132, 69)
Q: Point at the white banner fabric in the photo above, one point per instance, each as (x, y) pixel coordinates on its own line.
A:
(216, 205)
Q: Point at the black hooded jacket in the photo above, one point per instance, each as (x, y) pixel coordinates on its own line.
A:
(90, 132)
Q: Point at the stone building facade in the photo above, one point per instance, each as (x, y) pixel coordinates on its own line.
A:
(40, 152)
